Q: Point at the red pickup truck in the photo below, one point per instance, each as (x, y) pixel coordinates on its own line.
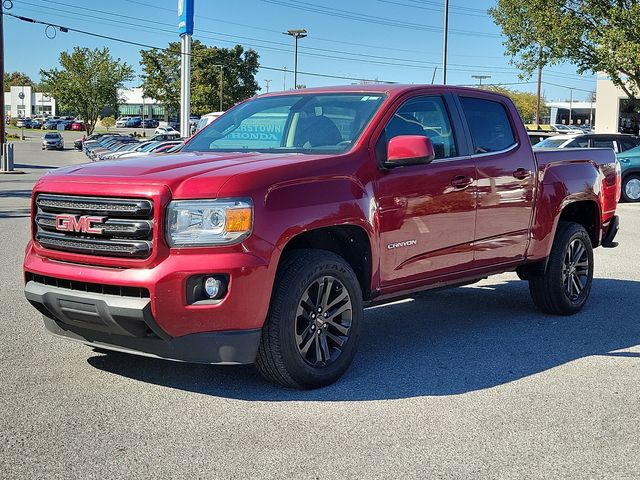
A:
(266, 236)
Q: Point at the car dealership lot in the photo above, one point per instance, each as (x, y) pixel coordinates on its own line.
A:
(465, 383)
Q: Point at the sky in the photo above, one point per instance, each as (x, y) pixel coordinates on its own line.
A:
(389, 40)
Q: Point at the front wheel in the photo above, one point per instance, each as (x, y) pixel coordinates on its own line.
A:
(311, 333)
(564, 287)
(631, 188)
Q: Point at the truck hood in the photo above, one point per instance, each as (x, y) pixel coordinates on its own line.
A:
(187, 175)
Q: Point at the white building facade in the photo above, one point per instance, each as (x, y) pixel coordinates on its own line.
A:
(22, 101)
(616, 112)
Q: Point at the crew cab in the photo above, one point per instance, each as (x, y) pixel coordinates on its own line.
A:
(264, 238)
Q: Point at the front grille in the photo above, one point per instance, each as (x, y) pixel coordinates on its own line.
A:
(124, 227)
(118, 290)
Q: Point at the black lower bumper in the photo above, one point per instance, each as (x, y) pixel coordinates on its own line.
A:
(125, 324)
(614, 226)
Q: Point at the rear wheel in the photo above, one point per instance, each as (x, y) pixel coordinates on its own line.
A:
(564, 287)
(311, 333)
(631, 188)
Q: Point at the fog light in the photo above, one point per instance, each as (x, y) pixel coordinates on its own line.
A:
(212, 287)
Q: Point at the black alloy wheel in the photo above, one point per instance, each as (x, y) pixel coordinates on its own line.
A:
(323, 321)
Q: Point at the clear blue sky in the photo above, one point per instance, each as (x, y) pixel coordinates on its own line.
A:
(395, 40)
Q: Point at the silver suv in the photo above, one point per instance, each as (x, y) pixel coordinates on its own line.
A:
(52, 141)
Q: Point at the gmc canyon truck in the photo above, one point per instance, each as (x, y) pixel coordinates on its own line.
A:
(266, 236)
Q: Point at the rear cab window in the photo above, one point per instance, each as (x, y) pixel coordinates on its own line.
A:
(489, 125)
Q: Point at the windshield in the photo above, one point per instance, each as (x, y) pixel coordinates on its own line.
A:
(305, 123)
(52, 135)
(551, 143)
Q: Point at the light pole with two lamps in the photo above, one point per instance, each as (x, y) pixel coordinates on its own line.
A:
(297, 34)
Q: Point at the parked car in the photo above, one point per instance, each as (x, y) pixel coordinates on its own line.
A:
(150, 123)
(207, 119)
(67, 123)
(165, 130)
(51, 124)
(23, 123)
(133, 122)
(264, 238)
(159, 147)
(171, 135)
(617, 141)
(141, 147)
(560, 128)
(36, 123)
(630, 173)
(122, 122)
(78, 125)
(52, 141)
(536, 136)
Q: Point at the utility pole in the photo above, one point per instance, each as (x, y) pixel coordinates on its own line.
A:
(570, 105)
(297, 34)
(539, 88)
(480, 78)
(444, 43)
(284, 78)
(221, 78)
(267, 82)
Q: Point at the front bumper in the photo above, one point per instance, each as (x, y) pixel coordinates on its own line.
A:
(126, 324)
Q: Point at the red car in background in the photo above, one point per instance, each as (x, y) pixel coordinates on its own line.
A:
(78, 126)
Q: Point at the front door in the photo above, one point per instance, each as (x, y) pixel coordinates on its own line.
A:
(426, 212)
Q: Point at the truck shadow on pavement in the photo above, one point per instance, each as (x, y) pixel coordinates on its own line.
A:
(444, 343)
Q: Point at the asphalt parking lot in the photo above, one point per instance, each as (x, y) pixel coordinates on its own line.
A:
(465, 383)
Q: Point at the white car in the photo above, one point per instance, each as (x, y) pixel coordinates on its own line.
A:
(207, 119)
(560, 128)
(167, 129)
(122, 122)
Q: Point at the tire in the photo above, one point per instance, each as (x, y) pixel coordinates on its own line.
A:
(631, 188)
(559, 291)
(300, 345)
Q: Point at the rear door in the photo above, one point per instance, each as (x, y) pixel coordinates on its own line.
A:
(506, 178)
(426, 212)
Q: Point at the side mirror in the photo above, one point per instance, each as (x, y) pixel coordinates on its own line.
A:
(409, 150)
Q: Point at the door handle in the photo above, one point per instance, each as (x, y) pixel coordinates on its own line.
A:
(521, 173)
(461, 181)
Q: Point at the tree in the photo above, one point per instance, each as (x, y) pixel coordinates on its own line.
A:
(16, 79)
(162, 76)
(108, 122)
(595, 35)
(88, 82)
(525, 102)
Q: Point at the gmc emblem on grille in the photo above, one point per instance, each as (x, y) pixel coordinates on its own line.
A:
(78, 223)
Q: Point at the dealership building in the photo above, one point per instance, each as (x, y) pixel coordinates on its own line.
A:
(616, 111)
(23, 101)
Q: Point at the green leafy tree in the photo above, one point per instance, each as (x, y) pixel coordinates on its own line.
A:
(525, 102)
(108, 122)
(87, 82)
(162, 76)
(595, 35)
(16, 79)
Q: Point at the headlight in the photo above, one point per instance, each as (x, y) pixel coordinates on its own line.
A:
(192, 223)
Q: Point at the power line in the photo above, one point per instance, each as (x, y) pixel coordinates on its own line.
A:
(377, 59)
(145, 45)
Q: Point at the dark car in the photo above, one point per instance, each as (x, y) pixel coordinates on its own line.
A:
(150, 123)
(51, 124)
(617, 141)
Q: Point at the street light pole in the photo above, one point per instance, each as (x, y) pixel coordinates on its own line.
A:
(267, 82)
(444, 43)
(297, 34)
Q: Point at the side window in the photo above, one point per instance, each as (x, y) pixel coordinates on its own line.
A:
(627, 144)
(602, 143)
(578, 143)
(425, 116)
(489, 124)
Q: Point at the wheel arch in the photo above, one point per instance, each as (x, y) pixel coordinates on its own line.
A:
(351, 242)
